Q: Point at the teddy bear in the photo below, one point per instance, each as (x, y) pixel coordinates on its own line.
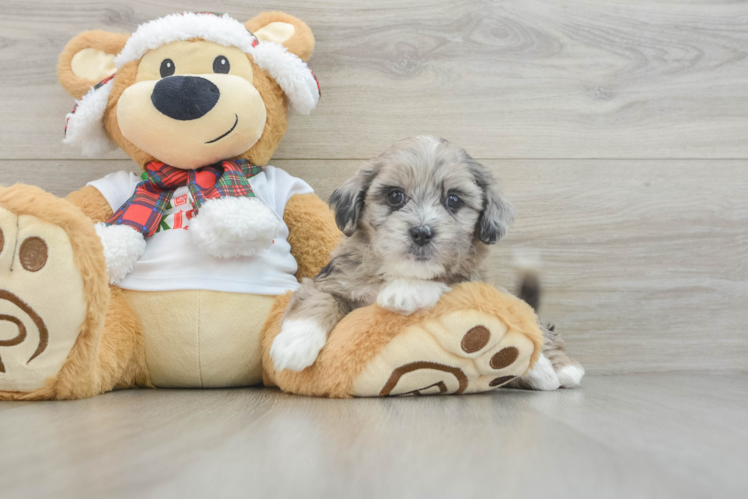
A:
(179, 276)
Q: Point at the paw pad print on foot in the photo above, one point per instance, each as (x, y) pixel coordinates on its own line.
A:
(475, 339)
(461, 352)
(504, 358)
(42, 304)
(440, 386)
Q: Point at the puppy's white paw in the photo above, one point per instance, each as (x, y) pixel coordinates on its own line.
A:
(542, 377)
(406, 296)
(570, 376)
(297, 345)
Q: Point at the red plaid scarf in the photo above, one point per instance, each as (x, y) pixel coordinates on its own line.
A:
(145, 208)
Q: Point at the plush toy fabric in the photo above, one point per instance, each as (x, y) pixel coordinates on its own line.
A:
(179, 277)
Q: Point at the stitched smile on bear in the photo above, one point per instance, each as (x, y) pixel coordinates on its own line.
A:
(236, 121)
(199, 102)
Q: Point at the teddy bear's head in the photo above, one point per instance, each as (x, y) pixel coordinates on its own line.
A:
(189, 89)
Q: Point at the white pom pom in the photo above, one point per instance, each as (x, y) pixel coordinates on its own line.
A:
(234, 227)
(123, 246)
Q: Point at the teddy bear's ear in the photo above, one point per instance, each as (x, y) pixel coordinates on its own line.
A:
(284, 29)
(87, 59)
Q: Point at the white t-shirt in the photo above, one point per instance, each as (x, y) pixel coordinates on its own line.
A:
(173, 262)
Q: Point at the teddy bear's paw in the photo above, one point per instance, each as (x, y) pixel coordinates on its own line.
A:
(297, 345)
(462, 352)
(123, 246)
(42, 302)
(234, 227)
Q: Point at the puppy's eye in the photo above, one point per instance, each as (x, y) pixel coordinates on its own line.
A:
(167, 68)
(221, 65)
(454, 202)
(396, 198)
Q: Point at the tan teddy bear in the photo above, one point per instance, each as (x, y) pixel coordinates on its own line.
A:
(179, 276)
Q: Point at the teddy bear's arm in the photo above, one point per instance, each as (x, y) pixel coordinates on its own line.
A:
(92, 203)
(312, 233)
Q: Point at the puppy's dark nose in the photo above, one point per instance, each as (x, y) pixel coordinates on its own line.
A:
(185, 97)
(421, 235)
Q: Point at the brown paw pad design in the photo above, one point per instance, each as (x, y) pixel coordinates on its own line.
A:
(42, 302)
(504, 358)
(463, 352)
(439, 387)
(18, 323)
(475, 339)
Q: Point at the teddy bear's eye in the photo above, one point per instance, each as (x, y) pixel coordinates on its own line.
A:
(167, 68)
(221, 65)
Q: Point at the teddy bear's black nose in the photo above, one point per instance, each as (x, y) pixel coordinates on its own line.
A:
(185, 97)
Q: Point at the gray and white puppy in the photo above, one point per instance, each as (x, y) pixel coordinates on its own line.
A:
(417, 219)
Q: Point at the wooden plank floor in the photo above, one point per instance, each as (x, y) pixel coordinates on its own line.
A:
(664, 435)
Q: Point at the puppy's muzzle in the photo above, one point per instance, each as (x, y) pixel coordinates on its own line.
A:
(421, 235)
(185, 97)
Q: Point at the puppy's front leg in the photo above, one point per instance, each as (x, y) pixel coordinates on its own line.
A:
(311, 315)
(406, 296)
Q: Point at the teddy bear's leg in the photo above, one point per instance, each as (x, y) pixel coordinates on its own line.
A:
(64, 334)
(476, 339)
(122, 361)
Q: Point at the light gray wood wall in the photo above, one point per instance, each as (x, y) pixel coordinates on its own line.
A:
(619, 129)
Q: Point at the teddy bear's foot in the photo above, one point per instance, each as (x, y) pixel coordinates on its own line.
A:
(462, 352)
(475, 339)
(42, 304)
(63, 333)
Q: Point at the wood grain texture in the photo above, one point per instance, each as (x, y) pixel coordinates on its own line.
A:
(513, 79)
(643, 262)
(665, 435)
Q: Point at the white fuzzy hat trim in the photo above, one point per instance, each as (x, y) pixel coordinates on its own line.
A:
(84, 125)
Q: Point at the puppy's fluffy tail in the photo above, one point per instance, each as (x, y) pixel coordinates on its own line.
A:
(558, 369)
(529, 289)
(528, 266)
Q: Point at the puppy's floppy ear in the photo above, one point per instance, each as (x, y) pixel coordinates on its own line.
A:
(497, 214)
(284, 29)
(87, 59)
(348, 200)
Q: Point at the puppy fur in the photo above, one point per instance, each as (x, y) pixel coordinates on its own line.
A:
(417, 219)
